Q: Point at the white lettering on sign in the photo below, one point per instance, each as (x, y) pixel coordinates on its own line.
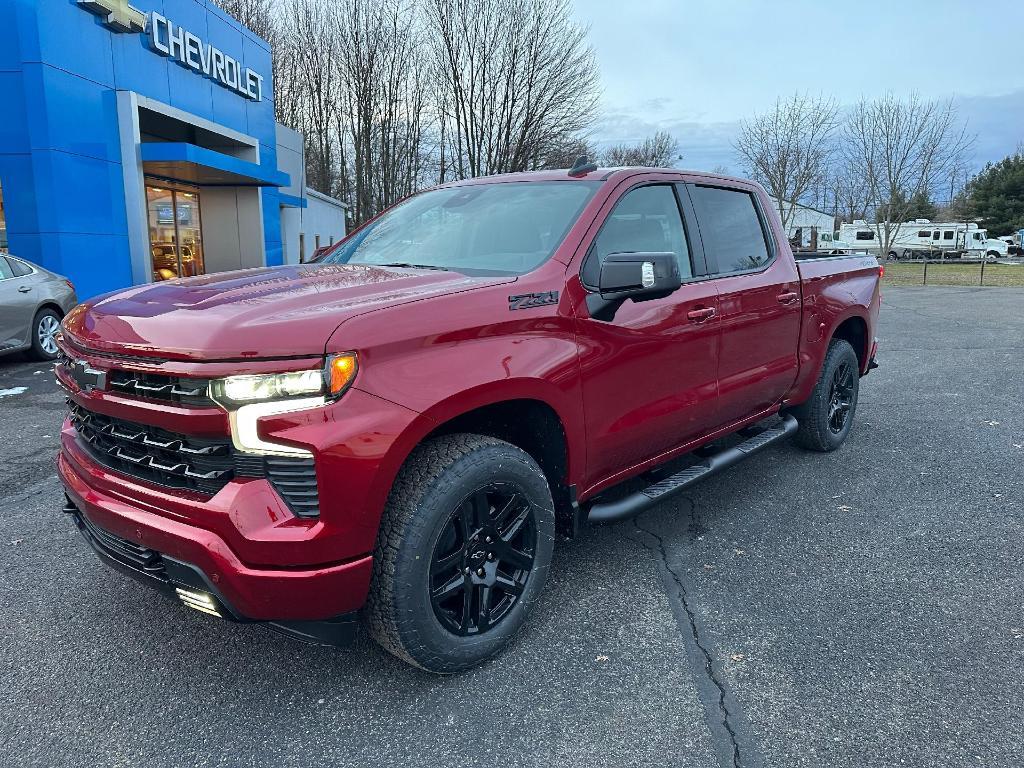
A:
(176, 42)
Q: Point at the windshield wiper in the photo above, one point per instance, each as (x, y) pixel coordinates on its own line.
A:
(411, 266)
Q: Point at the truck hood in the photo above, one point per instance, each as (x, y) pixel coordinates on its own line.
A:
(287, 311)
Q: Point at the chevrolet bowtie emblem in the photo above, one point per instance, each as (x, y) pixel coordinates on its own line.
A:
(117, 14)
(86, 377)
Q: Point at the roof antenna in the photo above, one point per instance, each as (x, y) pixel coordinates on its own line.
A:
(582, 166)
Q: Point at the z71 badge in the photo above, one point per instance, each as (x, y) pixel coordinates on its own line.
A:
(528, 300)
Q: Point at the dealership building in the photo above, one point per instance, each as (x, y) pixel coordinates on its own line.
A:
(139, 144)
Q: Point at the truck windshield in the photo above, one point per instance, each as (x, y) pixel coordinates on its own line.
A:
(507, 228)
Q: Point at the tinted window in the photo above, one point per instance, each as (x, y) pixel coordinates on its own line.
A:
(947, 235)
(645, 220)
(19, 268)
(5, 269)
(925, 233)
(865, 235)
(730, 229)
(505, 228)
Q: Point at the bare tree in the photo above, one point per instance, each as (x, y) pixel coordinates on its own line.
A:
(383, 83)
(564, 154)
(903, 149)
(513, 79)
(846, 191)
(788, 148)
(259, 16)
(313, 84)
(658, 151)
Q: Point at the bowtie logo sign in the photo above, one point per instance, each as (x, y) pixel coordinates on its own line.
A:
(117, 14)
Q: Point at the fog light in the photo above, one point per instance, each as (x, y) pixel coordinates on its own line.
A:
(200, 601)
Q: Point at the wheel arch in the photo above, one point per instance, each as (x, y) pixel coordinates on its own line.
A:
(524, 417)
(854, 329)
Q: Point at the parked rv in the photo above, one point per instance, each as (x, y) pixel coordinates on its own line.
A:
(922, 238)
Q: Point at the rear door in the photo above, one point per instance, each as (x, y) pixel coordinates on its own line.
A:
(648, 372)
(758, 295)
(16, 306)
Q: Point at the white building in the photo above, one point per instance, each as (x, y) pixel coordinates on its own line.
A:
(805, 221)
(314, 220)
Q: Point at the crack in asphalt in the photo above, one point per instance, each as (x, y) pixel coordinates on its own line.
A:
(725, 719)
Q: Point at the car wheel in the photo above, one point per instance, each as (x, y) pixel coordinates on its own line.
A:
(827, 417)
(463, 552)
(892, 256)
(992, 255)
(45, 328)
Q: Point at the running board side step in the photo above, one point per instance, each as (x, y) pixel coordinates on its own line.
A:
(634, 503)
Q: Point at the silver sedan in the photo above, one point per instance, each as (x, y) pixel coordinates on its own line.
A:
(32, 303)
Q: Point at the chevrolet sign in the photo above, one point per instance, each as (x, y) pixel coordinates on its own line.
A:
(175, 42)
(168, 39)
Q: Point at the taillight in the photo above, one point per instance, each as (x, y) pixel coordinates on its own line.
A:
(881, 271)
(70, 284)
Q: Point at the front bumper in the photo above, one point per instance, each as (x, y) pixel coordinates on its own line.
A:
(188, 583)
(200, 559)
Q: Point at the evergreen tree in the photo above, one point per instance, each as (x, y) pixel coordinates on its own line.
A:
(996, 195)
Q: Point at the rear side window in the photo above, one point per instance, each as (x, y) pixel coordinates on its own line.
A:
(865, 235)
(19, 268)
(645, 220)
(5, 269)
(730, 229)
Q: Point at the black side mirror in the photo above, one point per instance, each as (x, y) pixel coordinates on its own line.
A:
(639, 276)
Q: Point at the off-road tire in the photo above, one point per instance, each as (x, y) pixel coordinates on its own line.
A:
(815, 433)
(435, 479)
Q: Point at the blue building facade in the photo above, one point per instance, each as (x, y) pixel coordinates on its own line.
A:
(139, 141)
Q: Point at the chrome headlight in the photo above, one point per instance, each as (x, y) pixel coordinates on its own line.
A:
(332, 380)
(248, 398)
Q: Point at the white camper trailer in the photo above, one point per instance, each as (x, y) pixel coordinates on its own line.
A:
(922, 238)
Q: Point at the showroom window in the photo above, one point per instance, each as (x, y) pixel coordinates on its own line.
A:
(175, 232)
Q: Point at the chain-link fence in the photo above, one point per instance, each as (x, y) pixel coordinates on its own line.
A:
(1002, 273)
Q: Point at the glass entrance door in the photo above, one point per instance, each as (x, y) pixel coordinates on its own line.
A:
(175, 232)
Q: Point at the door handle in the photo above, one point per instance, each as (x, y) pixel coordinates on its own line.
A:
(787, 298)
(25, 289)
(701, 315)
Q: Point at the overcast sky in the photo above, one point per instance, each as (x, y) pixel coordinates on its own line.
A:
(697, 67)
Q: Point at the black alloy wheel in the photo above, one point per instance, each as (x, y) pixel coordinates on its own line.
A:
(841, 394)
(826, 417)
(483, 559)
(463, 552)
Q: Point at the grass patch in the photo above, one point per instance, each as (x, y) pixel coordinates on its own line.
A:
(953, 274)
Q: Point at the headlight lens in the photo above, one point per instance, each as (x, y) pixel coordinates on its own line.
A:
(235, 391)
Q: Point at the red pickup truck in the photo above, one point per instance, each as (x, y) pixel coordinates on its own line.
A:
(397, 431)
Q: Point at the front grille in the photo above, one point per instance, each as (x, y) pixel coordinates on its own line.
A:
(156, 455)
(199, 464)
(153, 386)
(173, 389)
(135, 556)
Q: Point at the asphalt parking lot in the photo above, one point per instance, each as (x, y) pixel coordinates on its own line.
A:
(862, 608)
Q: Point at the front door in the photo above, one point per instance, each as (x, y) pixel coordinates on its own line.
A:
(175, 232)
(759, 301)
(649, 380)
